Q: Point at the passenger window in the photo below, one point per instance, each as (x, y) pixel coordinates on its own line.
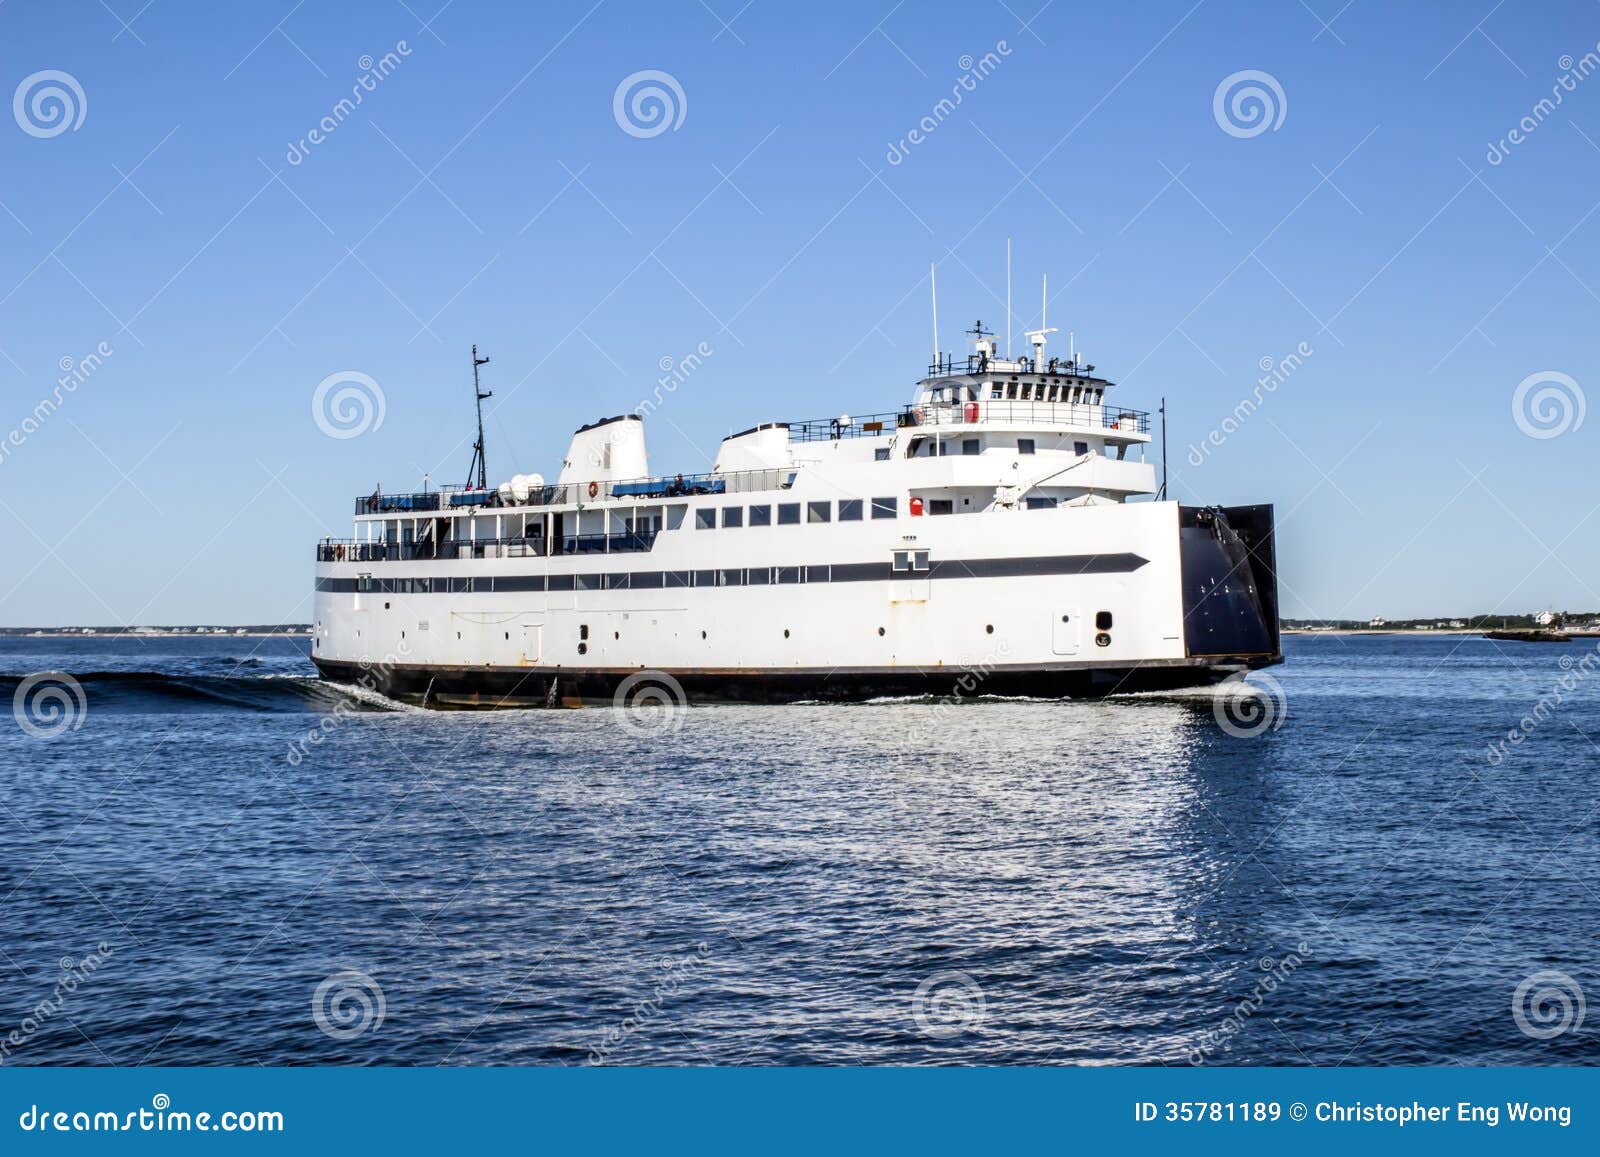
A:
(969, 446)
(849, 510)
(705, 518)
(819, 511)
(1024, 445)
(788, 514)
(941, 506)
(902, 560)
(885, 507)
(761, 516)
(919, 560)
(881, 454)
(1080, 447)
(732, 516)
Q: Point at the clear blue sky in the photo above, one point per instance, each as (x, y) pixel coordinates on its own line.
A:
(483, 191)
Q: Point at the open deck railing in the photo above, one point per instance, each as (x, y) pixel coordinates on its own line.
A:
(573, 493)
(355, 550)
(1080, 416)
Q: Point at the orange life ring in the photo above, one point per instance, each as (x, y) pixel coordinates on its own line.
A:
(594, 489)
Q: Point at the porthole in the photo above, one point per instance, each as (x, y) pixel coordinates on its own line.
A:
(702, 634)
(1102, 640)
(616, 634)
(385, 606)
(880, 631)
(989, 630)
(583, 648)
(508, 635)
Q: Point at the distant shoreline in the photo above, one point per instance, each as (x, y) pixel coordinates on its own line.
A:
(196, 632)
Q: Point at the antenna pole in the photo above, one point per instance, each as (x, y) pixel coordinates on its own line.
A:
(1044, 302)
(479, 463)
(1008, 297)
(1163, 495)
(933, 288)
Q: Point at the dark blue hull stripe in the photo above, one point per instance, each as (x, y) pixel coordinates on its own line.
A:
(1058, 564)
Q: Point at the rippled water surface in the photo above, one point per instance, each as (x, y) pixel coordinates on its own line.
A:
(276, 878)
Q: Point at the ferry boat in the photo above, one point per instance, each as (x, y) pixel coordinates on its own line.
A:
(1001, 534)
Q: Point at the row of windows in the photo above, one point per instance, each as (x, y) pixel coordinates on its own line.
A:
(1027, 392)
(790, 513)
(645, 580)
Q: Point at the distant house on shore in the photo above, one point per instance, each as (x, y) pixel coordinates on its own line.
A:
(1547, 618)
(1377, 621)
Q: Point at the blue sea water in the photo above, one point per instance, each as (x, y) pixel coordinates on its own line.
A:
(262, 869)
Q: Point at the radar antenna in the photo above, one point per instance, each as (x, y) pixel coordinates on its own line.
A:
(479, 393)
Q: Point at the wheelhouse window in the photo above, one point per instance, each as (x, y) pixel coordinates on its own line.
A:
(788, 514)
(849, 510)
(885, 507)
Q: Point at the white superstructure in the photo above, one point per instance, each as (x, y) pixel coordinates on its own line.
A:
(996, 535)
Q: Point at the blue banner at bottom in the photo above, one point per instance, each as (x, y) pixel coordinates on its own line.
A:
(803, 1110)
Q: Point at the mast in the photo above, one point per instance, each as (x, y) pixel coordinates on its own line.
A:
(1162, 497)
(479, 393)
